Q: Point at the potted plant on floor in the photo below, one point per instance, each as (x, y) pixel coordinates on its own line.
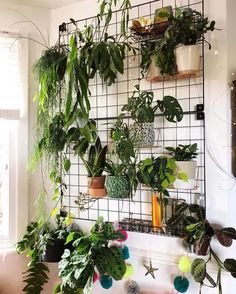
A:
(184, 155)
(187, 30)
(142, 111)
(94, 163)
(158, 173)
(96, 255)
(121, 166)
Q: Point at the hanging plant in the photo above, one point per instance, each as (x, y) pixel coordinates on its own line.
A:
(91, 254)
(41, 243)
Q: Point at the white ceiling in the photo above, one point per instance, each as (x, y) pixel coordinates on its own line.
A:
(51, 4)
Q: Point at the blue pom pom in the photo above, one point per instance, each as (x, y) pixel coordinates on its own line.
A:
(181, 284)
(106, 282)
(125, 252)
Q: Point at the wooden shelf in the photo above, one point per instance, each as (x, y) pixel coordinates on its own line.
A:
(180, 76)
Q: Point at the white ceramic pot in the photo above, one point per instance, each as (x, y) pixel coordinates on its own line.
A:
(189, 168)
(188, 58)
(153, 70)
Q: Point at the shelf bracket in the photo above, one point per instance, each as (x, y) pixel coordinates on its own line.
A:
(200, 111)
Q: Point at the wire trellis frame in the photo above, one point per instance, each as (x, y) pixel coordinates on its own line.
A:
(136, 214)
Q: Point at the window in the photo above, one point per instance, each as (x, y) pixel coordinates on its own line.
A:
(13, 136)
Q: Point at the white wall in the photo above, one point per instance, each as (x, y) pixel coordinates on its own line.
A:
(220, 185)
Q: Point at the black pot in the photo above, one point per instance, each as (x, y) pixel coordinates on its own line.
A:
(54, 251)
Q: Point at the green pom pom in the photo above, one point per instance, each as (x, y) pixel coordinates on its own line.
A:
(129, 271)
(106, 282)
(125, 252)
(181, 284)
(185, 264)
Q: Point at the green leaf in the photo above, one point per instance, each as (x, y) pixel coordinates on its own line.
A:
(70, 237)
(67, 165)
(101, 262)
(83, 246)
(116, 263)
(198, 270)
(183, 176)
(230, 265)
(171, 109)
(108, 229)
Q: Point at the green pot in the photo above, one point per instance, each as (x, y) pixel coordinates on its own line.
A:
(117, 186)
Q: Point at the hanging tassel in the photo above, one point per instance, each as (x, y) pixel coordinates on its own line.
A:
(106, 282)
(125, 252)
(185, 264)
(181, 284)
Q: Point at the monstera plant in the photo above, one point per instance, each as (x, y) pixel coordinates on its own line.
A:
(142, 109)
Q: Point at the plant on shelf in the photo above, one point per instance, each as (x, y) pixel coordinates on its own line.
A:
(158, 173)
(92, 254)
(94, 163)
(43, 244)
(178, 50)
(158, 58)
(199, 234)
(183, 154)
(187, 29)
(142, 111)
(121, 166)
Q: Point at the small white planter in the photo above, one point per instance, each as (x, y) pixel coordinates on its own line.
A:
(188, 58)
(189, 168)
(153, 70)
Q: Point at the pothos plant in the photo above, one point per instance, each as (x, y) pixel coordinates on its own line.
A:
(158, 173)
(34, 245)
(91, 253)
(199, 234)
(142, 108)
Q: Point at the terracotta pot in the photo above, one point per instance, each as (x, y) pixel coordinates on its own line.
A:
(96, 182)
(96, 186)
(189, 168)
(188, 58)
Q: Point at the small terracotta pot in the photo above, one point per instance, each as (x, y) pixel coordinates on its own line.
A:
(96, 186)
(96, 182)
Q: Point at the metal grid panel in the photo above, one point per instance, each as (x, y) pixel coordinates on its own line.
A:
(106, 105)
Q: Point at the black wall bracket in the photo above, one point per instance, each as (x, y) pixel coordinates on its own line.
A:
(200, 111)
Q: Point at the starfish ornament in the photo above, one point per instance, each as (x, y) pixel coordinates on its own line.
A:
(150, 270)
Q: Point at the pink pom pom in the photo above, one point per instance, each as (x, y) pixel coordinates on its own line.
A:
(124, 233)
(95, 277)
